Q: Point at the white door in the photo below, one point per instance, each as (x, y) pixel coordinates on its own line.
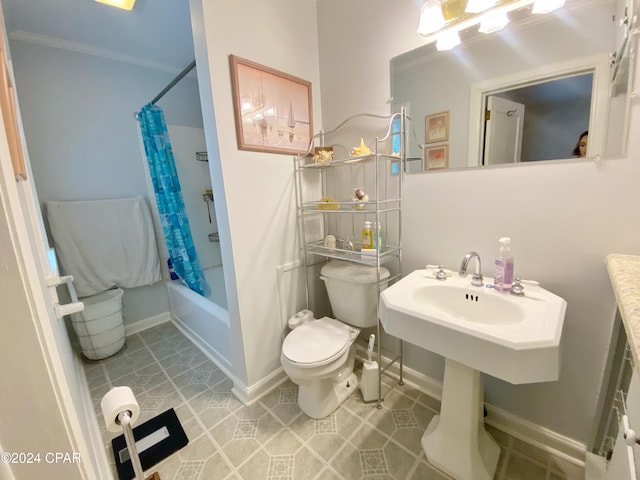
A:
(37, 277)
(504, 123)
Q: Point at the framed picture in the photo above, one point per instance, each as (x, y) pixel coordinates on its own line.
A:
(437, 127)
(273, 110)
(436, 157)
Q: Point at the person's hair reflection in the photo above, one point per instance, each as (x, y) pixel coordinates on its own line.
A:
(580, 150)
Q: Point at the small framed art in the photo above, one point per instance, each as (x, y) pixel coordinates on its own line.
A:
(437, 127)
(436, 158)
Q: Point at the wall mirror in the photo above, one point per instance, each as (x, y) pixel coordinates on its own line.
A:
(565, 72)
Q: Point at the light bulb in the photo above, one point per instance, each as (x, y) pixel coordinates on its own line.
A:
(448, 40)
(431, 17)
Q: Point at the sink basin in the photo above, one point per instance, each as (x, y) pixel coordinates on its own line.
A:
(462, 304)
(476, 329)
(513, 338)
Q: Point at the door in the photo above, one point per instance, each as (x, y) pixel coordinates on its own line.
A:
(504, 123)
(30, 266)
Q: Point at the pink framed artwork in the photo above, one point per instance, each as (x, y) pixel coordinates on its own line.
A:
(436, 158)
(437, 127)
(273, 111)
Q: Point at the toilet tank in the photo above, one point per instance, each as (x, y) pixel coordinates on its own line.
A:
(353, 292)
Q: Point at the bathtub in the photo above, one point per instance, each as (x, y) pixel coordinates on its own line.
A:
(204, 320)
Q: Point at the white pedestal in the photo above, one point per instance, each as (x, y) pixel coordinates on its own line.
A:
(456, 441)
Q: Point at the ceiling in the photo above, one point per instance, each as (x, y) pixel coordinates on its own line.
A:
(156, 33)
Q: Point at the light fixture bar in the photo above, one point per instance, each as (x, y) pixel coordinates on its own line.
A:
(493, 21)
(447, 40)
(546, 6)
(477, 6)
(468, 19)
(123, 4)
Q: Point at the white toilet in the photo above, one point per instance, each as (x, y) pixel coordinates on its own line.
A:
(318, 355)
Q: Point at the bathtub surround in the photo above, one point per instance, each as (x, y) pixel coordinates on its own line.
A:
(205, 322)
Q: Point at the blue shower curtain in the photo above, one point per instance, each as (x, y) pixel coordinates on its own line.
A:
(173, 217)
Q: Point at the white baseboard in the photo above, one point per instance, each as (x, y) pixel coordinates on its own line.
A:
(99, 452)
(248, 395)
(145, 323)
(531, 433)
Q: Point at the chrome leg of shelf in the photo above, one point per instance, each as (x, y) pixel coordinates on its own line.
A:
(379, 405)
(401, 361)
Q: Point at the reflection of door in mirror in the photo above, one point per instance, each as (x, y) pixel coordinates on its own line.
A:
(549, 115)
(504, 124)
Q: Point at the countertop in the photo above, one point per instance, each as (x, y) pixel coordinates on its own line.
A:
(624, 272)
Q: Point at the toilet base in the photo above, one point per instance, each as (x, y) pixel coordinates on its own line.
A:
(320, 398)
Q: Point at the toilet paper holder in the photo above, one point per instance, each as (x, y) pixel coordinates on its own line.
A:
(120, 409)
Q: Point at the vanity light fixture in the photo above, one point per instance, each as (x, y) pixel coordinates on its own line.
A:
(448, 40)
(546, 6)
(431, 17)
(490, 14)
(123, 4)
(477, 6)
(493, 21)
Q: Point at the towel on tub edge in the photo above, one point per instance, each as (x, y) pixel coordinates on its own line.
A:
(105, 243)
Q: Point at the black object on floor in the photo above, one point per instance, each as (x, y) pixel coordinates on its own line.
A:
(165, 427)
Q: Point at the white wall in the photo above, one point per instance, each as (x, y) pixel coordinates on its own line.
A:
(564, 217)
(82, 137)
(256, 211)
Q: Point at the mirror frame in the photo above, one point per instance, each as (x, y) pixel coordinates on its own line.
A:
(597, 64)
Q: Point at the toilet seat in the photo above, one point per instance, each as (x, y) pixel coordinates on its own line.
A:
(318, 342)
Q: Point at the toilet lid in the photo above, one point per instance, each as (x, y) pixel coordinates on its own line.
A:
(317, 342)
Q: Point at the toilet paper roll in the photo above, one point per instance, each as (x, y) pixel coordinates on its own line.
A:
(115, 401)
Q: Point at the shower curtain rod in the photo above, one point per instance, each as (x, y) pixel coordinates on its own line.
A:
(173, 82)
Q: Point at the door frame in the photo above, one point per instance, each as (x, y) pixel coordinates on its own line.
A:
(597, 64)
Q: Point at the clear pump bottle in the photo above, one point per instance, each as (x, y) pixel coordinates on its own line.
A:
(503, 278)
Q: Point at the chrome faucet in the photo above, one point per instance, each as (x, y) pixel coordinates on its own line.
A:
(476, 279)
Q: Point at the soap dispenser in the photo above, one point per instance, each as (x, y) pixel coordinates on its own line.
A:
(503, 277)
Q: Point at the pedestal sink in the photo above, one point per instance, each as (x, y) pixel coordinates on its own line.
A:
(476, 329)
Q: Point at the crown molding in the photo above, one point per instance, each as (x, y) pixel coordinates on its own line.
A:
(44, 40)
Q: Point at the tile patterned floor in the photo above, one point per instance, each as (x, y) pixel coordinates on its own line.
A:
(273, 439)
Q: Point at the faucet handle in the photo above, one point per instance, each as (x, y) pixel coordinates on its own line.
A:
(517, 288)
(441, 274)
